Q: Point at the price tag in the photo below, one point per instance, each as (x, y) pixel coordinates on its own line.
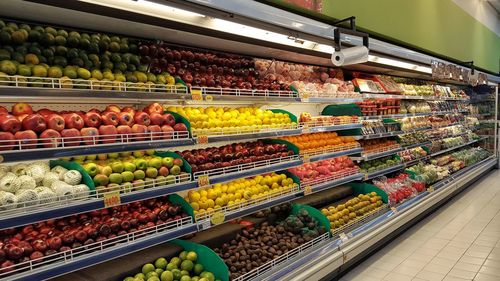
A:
(209, 98)
(217, 218)
(430, 189)
(203, 180)
(202, 139)
(394, 210)
(205, 224)
(343, 237)
(196, 95)
(112, 199)
(306, 130)
(307, 190)
(306, 158)
(304, 97)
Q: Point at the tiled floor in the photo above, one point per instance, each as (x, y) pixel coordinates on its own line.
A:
(460, 241)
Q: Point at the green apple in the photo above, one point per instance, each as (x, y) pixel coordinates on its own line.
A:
(102, 156)
(101, 179)
(170, 179)
(198, 269)
(113, 155)
(113, 187)
(159, 271)
(140, 275)
(125, 154)
(106, 170)
(177, 261)
(154, 162)
(117, 167)
(171, 266)
(154, 278)
(115, 178)
(167, 276)
(185, 278)
(183, 255)
(177, 274)
(208, 275)
(91, 157)
(91, 169)
(139, 174)
(79, 158)
(187, 265)
(192, 256)
(161, 180)
(167, 161)
(138, 184)
(127, 176)
(129, 166)
(151, 274)
(151, 172)
(150, 152)
(184, 272)
(195, 278)
(141, 164)
(138, 154)
(175, 170)
(161, 263)
(149, 267)
(178, 162)
(127, 187)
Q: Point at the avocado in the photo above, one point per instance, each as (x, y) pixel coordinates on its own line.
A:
(13, 26)
(61, 51)
(124, 47)
(103, 46)
(5, 37)
(31, 59)
(18, 37)
(63, 33)
(74, 34)
(47, 39)
(85, 43)
(131, 67)
(60, 40)
(73, 41)
(115, 39)
(4, 55)
(114, 47)
(61, 61)
(73, 53)
(116, 58)
(22, 49)
(85, 36)
(8, 67)
(132, 48)
(107, 65)
(78, 62)
(34, 35)
(17, 57)
(51, 31)
(34, 50)
(24, 70)
(48, 52)
(39, 29)
(94, 48)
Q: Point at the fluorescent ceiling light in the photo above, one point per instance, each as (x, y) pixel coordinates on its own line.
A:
(400, 64)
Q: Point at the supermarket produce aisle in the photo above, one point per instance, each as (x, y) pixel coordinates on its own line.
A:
(460, 241)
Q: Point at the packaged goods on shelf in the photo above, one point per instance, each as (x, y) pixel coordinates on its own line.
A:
(379, 107)
(411, 123)
(306, 119)
(412, 154)
(377, 127)
(412, 138)
(399, 187)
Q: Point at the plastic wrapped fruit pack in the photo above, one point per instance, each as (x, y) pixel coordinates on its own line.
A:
(399, 188)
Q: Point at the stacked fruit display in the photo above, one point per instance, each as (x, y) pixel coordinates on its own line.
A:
(379, 164)
(412, 138)
(127, 171)
(471, 156)
(378, 145)
(399, 188)
(255, 247)
(410, 106)
(223, 120)
(236, 192)
(26, 129)
(414, 123)
(322, 142)
(24, 185)
(412, 154)
(329, 169)
(316, 121)
(106, 60)
(353, 209)
(184, 267)
(39, 241)
(379, 106)
(446, 120)
(371, 127)
(417, 90)
(207, 69)
(234, 154)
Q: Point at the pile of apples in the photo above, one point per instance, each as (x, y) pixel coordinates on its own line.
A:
(224, 120)
(233, 154)
(28, 128)
(128, 171)
(308, 143)
(325, 169)
(37, 241)
(206, 69)
(237, 191)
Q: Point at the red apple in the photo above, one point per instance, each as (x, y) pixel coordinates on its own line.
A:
(163, 171)
(71, 137)
(50, 138)
(92, 119)
(34, 122)
(27, 138)
(55, 122)
(156, 119)
(169, 119)
(39, 245)
(37, 255)
(73, 121)
(95, 110)
(55, 243)
(155, 132)
(129, 110)
(126, 118)
(45, 112)
(142, 118)
(113, 108)
(21, 108)
(90, 136)
(167, 132)
(125, 132)
(154, 107)
(110, 132)
(9, 123)
(180, 127)
(6, 141)
(110, 118)
(139, 132)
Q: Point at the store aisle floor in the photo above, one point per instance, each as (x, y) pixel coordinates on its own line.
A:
(460, 241)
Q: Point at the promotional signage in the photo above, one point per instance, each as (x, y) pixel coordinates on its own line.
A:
(441, 70)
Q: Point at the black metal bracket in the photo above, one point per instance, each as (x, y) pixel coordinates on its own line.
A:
(471, 65)
(351, 30)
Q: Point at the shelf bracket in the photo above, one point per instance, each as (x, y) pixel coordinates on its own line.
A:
(471, 65)
(351, 30)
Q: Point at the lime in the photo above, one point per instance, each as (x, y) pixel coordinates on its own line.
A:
(198, 269)
(208, 275)
(192, 256)
(161, 263)
(148, 268)
(187, 265)
(167, 276)
(177, 261)
(183, 255)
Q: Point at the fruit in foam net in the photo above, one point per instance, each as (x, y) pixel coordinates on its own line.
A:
(238, 191)
(321, 141)
(352, 209)
(217, 120)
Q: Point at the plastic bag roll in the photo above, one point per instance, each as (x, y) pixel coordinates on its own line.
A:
(352, 55)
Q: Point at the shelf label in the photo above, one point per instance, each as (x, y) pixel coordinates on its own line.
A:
(217, 218)
(112, 199)
(203, 180)
(343, 237)
(202, 139)
(196, 95)
(306, 130)
(304, 97)
(430, 189)
(394, 210)
(307, 190)
(306, 158)
(205, 224)
(209, 98)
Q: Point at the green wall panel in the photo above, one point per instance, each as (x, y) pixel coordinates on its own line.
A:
(437, 26)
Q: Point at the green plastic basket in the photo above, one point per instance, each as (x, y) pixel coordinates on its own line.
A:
(315, 213)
